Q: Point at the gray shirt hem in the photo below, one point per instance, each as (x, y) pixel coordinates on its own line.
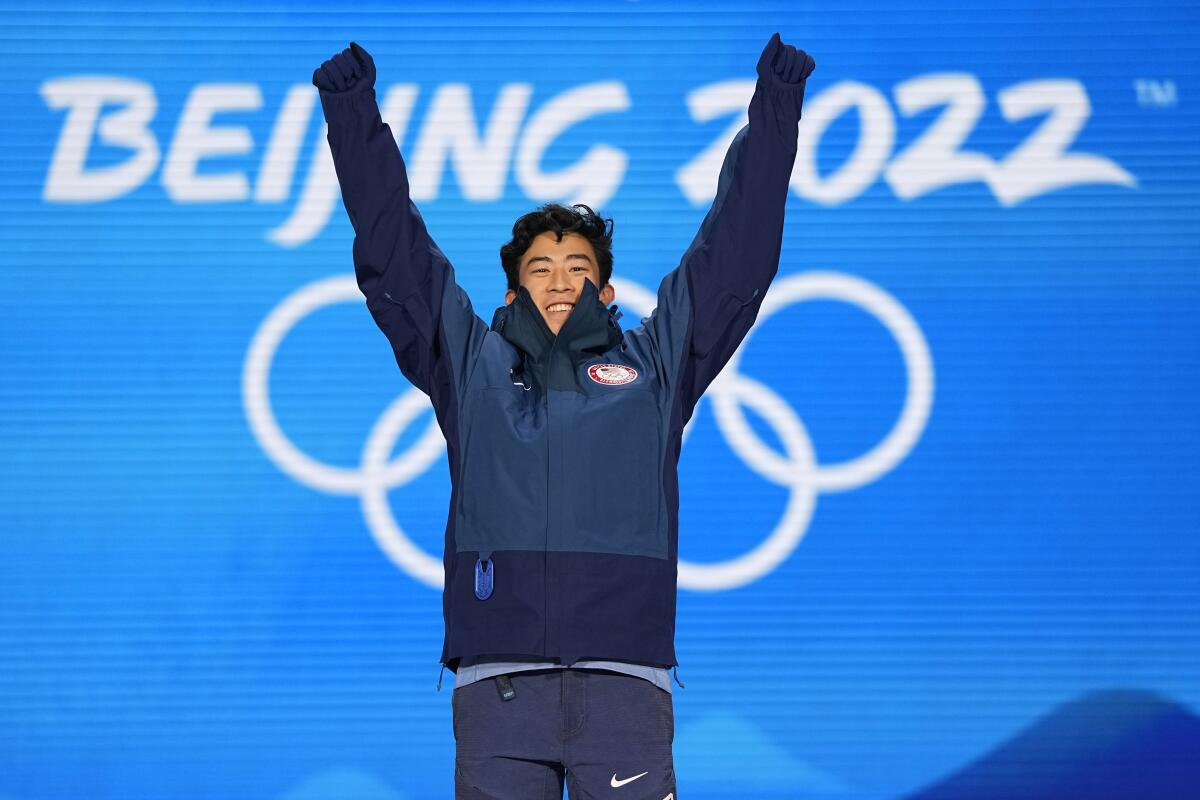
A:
(477, 672)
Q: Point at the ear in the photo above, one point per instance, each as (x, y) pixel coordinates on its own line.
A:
(509, 296)
(607, 294)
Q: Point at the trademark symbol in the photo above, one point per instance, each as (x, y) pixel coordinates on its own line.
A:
(1153, 93)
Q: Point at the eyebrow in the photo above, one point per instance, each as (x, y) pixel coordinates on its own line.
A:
(547, 258)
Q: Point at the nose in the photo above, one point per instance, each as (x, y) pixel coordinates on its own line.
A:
(559, 283)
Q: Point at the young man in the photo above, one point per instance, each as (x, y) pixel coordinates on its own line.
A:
(563, 433)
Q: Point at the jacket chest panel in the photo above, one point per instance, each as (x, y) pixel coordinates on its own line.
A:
(563, 470)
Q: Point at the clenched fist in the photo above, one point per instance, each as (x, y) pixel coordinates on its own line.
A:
(784, 64)
(352, 70)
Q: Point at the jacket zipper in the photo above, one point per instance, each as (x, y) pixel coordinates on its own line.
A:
(546, 545)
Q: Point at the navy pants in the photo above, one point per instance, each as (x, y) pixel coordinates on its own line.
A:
(607, 734)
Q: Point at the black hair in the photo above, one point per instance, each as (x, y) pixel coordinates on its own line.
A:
(560, 220)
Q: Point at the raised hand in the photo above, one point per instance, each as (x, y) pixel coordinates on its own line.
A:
(353, 69)
(784, 64)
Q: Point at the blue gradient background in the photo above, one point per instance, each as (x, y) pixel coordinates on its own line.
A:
(181, 618)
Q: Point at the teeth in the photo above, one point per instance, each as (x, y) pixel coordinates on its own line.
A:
(560, 307)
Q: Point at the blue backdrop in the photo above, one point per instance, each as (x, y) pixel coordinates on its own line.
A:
(939, 517)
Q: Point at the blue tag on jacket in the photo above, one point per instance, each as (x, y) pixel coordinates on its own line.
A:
(483, 578)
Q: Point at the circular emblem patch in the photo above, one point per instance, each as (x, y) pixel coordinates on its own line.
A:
(611, 374)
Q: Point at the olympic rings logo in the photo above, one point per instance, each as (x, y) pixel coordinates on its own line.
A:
(796, 468)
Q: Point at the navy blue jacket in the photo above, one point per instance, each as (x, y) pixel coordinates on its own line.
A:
(562, 537)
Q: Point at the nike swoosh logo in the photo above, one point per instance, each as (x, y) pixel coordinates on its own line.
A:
(616, 784)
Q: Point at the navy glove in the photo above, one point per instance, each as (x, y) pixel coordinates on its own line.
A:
(352, 70)
(784, 64)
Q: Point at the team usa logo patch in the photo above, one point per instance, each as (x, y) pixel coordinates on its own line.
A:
(612, 374)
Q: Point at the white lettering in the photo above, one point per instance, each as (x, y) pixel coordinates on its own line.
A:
(698, 178)
(321, 190)
(934, 160)
(595, 177)
(479, 166)
(1155, 93)
(283, 148)
(194, 139)
(876, 139)
(1040, 164)
(68, 179)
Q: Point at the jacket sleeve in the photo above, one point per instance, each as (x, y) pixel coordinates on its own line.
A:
(708, 303)
(407, 281)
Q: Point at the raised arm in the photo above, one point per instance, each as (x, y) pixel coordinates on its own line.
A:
(709, 302)
(407, 281)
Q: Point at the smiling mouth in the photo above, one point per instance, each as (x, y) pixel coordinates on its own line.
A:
(560, 308)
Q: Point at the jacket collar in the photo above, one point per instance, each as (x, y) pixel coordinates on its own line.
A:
(591, 328)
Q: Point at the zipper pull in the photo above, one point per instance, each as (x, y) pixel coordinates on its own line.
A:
(440, 671)
(484, 571)
(675, 672)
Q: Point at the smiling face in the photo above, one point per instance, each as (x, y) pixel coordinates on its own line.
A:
(553, 272)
